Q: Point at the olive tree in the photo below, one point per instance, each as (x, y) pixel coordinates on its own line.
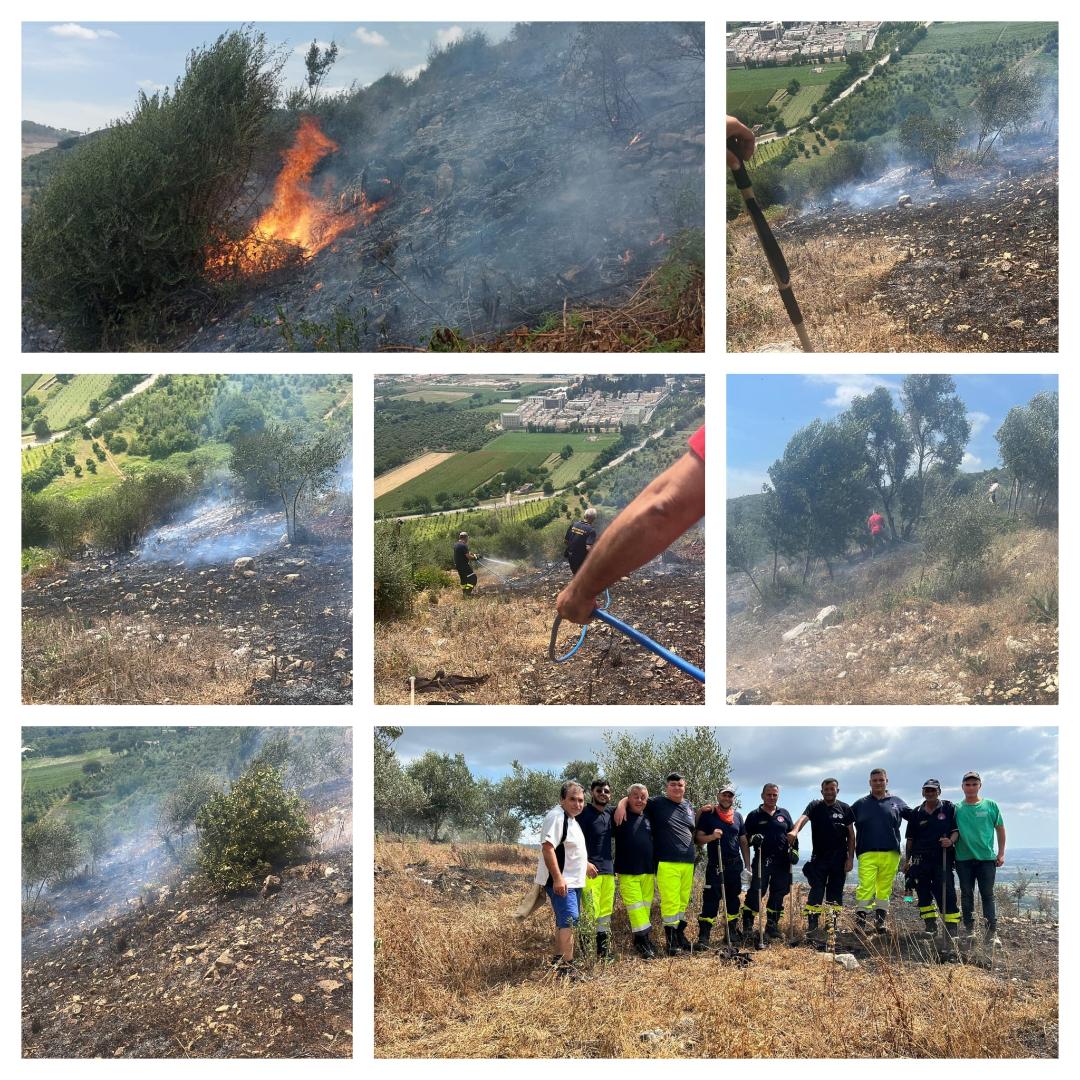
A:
(887, 446)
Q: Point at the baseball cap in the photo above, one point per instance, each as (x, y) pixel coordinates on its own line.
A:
(932, 783)
(727, 791)
(972, 775)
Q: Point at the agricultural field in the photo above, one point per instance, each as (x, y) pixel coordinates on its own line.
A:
(448, 525)
(952, 36)
(73, 400)
(388, 481)
(513, 449)
(756, 86)
(49, 773)
(801, 106)
(28, 381)
(433, 395)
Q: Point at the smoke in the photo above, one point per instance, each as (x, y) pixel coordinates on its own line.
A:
(215, 529)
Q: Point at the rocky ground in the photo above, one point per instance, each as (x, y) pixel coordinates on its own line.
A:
(852, 641)
(500, 639)
(170, 970)
(284, 621)
(979, 261)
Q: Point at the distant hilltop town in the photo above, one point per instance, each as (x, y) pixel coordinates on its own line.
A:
(795, 42)
(553, 410)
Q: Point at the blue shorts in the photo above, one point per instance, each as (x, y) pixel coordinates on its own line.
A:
(567, 908)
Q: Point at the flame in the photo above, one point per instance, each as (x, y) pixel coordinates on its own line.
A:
(633, 140)
(427, 210)
(661, 239)
(297, 223)
(626, 256)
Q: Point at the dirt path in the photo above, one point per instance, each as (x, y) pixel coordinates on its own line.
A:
(334, 408)
(404, 473)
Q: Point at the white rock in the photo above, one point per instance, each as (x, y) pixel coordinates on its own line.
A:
(830, 615)
(796, 631)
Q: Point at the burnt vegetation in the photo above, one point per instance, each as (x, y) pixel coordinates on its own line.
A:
(189, 898)
(218, 543)
(544, 193)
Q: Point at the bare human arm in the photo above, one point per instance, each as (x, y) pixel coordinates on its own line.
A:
(552, 863)
(670, 504)
(1000, 830)
(797, 828)
(743, 137)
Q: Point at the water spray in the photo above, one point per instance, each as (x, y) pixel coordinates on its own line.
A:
(777, 262)
(634, 635)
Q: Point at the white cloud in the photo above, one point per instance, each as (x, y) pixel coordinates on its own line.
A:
(74, 30)
(151, 87)
(847, 387)
(411, 73)
(745, 482)
(369, 37)
(970, 462)
(977, 420)
(301, 50)
(449, 35)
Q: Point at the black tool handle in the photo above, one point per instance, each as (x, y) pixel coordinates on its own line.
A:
(761, 226)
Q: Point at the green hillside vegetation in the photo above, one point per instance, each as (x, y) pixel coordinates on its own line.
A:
(28, 381)
(158, 448)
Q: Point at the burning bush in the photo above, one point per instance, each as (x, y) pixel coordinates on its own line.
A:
(257, 826)
(114, 247)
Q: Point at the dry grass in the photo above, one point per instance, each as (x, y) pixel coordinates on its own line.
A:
(460, 977)
(66, 663)
(482, 636)
(835, 281)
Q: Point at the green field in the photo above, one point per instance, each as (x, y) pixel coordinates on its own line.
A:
(45, 774)
(464, 473)
(73, 400)
(952, 36)
(747, 88)
(28, 381)
(801, 106)
(433, 395)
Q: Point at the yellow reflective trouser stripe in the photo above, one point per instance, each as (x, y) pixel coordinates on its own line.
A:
(599, 897)
(812, 909)
(876, 872)
(954, 917)
(636, 891)
(675, 881)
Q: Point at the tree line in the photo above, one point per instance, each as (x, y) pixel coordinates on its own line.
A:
(437, 796)
(902, 460)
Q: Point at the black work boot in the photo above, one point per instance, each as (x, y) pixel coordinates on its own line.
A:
(930, 927)
(860, 921)
(772, 927)
(879, 922)
(681, 938)
(704, 932)
(643, 946)
(671, 941)
(812, 922)
(603, 945)
(748, 924)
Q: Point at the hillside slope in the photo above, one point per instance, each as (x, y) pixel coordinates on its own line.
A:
(501, 637)
(891, 648)
(456, 975)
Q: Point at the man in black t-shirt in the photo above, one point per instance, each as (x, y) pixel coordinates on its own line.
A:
(463, 558)
(832, 830)
(580, 538)
(723, 830)
(635, 866)
(929, 859)
(768, 827)
(599, 895)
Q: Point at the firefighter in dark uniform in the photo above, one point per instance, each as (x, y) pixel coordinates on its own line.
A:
(832, 830)
(580, 538)
(770, 875)
(723, 830)
(463, 558)
(929, 858)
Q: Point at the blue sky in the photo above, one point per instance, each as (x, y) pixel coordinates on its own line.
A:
(1019, 766)
(764, 411)
(83, 75)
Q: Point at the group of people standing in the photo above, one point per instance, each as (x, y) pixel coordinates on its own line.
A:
(650, 844)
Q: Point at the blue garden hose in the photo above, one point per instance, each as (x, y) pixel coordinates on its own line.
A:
(634, 635)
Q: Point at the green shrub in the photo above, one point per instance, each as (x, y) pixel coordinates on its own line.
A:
(1043, 606)
(114, 248)
(253, 829)
(430, 577)
(394, 587)
(959, 532)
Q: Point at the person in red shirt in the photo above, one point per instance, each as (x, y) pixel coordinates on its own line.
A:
(668, 506)
(876, 524)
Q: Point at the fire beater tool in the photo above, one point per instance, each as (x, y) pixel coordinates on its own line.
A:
(634, 635)
(777, 262)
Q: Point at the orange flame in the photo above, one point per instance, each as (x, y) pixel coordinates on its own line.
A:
(626, 256)
(633, 140)
(661, 239)
(297, 223)
(427, 209)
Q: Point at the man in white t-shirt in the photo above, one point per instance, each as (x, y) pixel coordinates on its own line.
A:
(562, 869)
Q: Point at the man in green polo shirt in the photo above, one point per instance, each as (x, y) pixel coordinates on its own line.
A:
(979, 821)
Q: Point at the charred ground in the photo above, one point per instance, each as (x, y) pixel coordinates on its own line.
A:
(171, 970)
(149, 630)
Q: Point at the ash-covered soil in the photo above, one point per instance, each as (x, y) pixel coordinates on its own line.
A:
(287, 622)
(166, 969)
(979, 255)
(665, 600)
(904, 653)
